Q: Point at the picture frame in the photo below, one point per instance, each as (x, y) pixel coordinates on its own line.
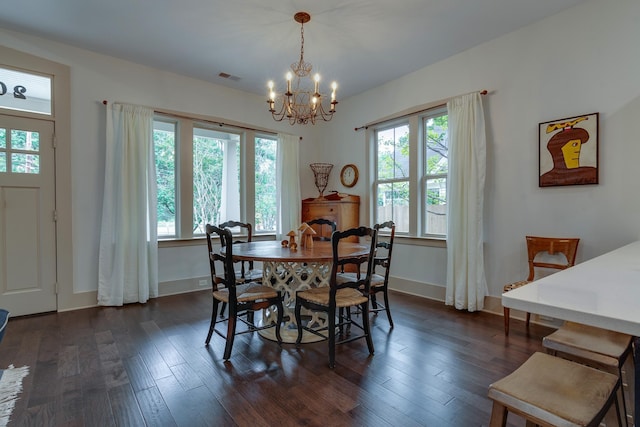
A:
(568, 151)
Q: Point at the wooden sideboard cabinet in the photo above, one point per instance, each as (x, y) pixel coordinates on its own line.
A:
(344, 210)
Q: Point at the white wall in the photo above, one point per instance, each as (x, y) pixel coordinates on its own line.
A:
(583, 60)
(97, 77)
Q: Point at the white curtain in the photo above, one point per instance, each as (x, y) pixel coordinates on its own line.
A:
(466, 282)
(128, 258)
(288, 184)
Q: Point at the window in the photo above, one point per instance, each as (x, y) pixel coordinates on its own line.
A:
(436, 168)
(216, 177)
(392, 186)
(20, 91)
(266, 206)
(208, 174)
(411, 167)
(164, 142)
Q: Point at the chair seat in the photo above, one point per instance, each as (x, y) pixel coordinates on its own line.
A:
(515, 285)
(344, 297)
(247, 292)
(376, 279)
(589, 343)
(556, 391)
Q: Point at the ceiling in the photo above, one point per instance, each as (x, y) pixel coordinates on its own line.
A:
(360, 44)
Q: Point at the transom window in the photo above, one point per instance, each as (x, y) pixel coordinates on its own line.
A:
(20, 91)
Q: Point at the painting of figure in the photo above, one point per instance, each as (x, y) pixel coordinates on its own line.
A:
(569, 151)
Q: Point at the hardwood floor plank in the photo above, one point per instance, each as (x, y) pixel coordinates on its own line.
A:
(124, 406)
(146, 364)
(154, 410)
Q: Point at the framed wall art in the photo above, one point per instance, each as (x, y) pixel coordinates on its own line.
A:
(568, 151)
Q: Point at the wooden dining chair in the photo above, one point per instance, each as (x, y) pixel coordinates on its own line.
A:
(550, 391)
(338, 297)
(247, 272)
(381, 269)
(322, 226)
(536, 246)
(599, 348)
(240, 297)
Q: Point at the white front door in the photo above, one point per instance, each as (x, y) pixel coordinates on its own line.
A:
(27, 216)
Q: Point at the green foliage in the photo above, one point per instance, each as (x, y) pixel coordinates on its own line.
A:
(265, 200)
(164, 147)
(208, 157)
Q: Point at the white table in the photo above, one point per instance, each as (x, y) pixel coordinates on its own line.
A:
(602, 292)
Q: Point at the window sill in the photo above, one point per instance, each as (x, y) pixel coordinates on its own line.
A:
(421, 241)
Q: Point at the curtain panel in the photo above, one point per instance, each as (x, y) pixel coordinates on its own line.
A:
(288, 184)
(466, 282)
(128, 254)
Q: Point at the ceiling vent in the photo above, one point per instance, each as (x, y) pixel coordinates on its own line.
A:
(229, 76)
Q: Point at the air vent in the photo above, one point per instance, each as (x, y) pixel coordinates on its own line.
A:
(229, 76)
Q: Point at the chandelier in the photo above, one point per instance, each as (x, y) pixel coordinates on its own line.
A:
(302, 102)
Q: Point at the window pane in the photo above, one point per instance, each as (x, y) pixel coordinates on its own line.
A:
(25, 140)
(25, 92)
(25, 163)
(164, 141)
(3, 162)
(436, 209)
(393, 152)
(216, 178)
(266, 204)
(437, 145)
(3, 138)
(393, 204)
(436, 134)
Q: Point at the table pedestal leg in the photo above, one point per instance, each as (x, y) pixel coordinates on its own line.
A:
(290, 277)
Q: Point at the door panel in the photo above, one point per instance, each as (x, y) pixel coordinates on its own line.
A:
(27, 227)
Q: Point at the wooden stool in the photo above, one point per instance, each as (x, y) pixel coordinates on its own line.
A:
(599, 348)
(550, 391)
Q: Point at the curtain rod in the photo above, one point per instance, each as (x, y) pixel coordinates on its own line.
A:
(482, 92)
(180, 116)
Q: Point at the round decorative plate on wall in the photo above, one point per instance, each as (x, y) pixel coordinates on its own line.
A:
(349, 175)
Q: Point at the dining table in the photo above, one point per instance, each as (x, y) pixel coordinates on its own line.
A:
(291, 270)
(603, 292)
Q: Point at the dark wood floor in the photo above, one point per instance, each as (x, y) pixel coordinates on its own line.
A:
(148, 365)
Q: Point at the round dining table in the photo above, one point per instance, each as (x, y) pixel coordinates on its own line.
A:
(290, 270)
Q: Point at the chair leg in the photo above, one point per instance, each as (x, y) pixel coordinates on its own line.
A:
(498, 415)
(279, 319)
(386, 306)
(621, 394)
(374, 303)
(506, 320)
(214, 314)
(367, 327)
(231, 332)
(223, 307)
(298, 322)
(332, 338)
